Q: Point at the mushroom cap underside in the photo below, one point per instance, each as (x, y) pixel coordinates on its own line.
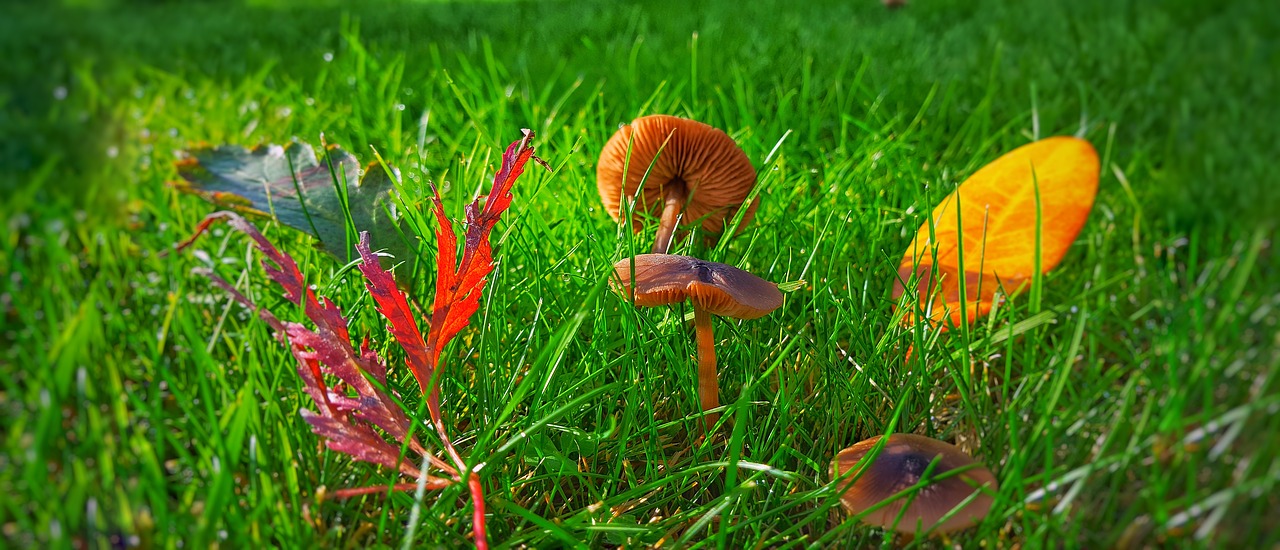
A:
(717, 175)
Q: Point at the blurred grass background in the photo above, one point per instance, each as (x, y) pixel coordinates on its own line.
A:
(138, 408)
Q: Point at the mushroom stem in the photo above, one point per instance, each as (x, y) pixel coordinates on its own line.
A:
(708, 382)
(673, 197)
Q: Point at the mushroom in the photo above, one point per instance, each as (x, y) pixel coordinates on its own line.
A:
(683, 164)
(713, 288)
(901, 464)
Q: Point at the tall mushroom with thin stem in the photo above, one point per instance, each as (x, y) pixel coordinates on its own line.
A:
(674, 163)
(713, 288)
(953, 481)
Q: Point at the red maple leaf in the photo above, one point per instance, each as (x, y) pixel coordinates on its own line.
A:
(346, 422)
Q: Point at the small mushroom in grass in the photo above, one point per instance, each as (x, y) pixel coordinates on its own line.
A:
(903, 461)
(683, 164)
(713, 288)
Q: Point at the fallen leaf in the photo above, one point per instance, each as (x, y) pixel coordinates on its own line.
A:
(996, 227)
(301, 191)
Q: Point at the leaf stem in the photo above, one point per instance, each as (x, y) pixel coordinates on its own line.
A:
(473, 479)
(433, 483)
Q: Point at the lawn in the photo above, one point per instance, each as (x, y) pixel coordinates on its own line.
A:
(1130, 401)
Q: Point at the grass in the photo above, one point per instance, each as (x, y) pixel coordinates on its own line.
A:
(1133, 405)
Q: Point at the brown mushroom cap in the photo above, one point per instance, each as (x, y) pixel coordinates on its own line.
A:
(900, 465)
(716, 173)
(721, 289)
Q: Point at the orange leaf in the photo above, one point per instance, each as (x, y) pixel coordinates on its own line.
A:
(997, 207)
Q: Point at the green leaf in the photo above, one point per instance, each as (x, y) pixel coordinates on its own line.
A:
(322, 198)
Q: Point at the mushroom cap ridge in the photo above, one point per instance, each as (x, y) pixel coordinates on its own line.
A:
(900, 464)
(717, 173)
(721, 289)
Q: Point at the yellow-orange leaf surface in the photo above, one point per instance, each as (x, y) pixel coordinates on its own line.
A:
(997, 207)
